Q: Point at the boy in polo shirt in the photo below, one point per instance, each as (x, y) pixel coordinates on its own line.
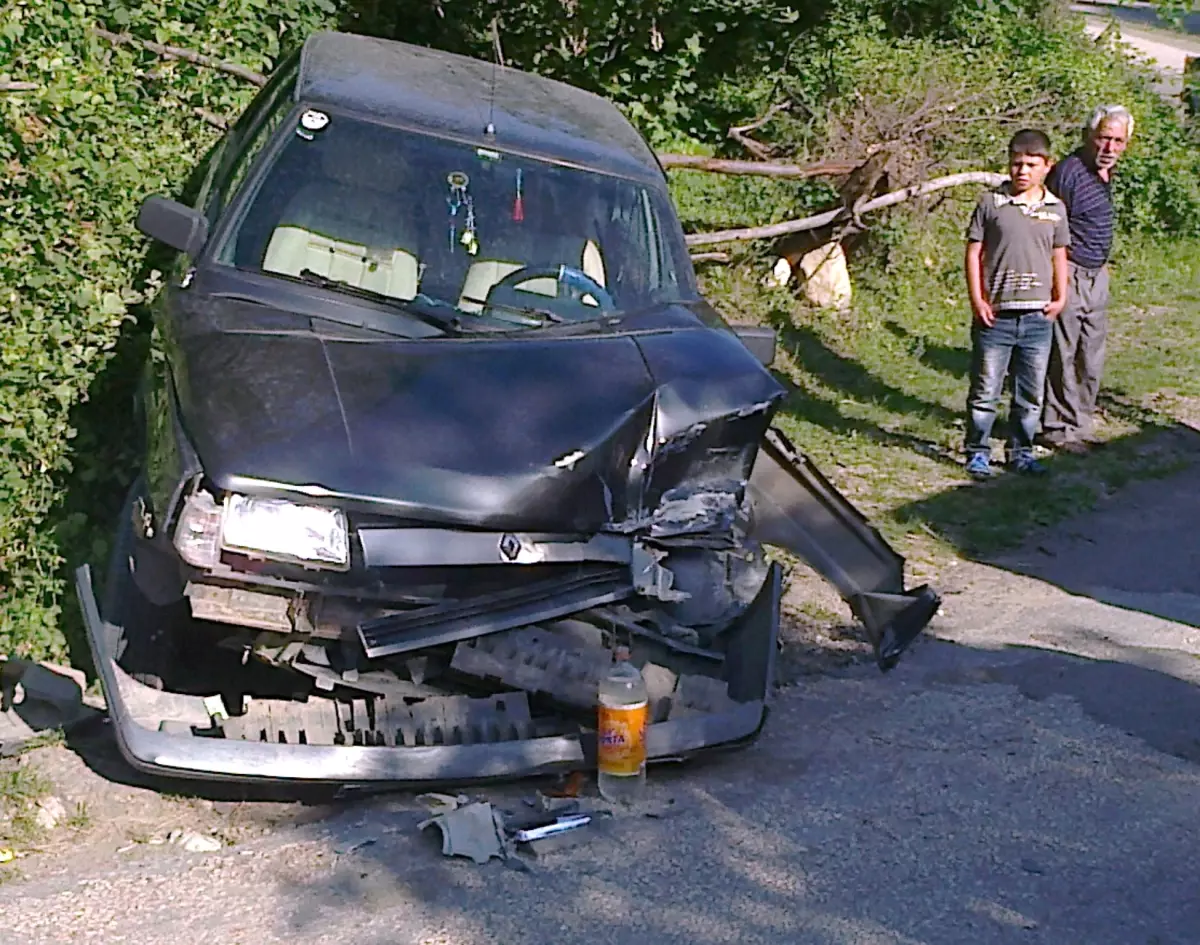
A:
(1016, 267)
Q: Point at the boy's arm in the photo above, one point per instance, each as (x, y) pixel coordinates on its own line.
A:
(1058, 293)
(980, 305)
(1058, 296)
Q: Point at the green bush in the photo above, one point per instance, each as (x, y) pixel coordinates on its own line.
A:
(947, 99)
(106, 126)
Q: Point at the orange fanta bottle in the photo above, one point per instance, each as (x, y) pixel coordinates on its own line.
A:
(621, 733)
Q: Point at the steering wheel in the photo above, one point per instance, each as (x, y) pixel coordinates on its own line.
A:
(576, 280)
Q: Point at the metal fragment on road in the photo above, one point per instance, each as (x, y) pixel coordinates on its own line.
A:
(475, 831)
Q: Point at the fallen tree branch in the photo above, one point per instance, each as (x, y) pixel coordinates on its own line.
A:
(1016, 113)
(741, 133)
(773, 230)
(11, 85)
(698, 162)
(211, 118)
(710, 257)
(187, 55)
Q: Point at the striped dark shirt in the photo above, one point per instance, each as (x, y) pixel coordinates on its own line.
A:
(1089, 209)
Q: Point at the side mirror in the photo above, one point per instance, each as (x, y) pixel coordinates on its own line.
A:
(759, 339)
(170, 222)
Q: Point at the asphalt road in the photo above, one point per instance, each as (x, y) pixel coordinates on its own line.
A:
(993, 789)
(1139, 14)
(1164, 50)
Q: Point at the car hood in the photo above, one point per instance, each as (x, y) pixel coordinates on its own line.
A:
(534, 431)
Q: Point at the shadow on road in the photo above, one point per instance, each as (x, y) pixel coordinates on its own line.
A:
(976, 776)
(1121, 483)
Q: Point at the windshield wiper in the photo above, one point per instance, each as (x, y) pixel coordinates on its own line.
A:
(543, 315)
(408, 307)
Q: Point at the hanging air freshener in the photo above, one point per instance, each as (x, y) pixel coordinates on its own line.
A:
(469, 240)
(518, 201)
(458, 191)
(460, 199)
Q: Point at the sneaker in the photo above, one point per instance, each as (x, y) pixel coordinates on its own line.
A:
(979, 466)
(1028, 466)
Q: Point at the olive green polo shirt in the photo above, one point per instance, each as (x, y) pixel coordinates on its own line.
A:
(1019, 236)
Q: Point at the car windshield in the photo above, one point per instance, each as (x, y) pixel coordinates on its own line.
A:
(420, 220)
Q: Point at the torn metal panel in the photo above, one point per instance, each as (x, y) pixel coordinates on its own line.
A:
(448, 547)
(799, 510)
(491, 613)
(710, 509)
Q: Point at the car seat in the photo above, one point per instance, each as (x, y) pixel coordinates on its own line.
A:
(344, 226)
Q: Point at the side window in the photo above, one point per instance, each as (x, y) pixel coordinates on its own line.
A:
(654, 260)
(216, 158)
(248, 136)
(254, 146)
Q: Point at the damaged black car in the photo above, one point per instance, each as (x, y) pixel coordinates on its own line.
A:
(436, 418)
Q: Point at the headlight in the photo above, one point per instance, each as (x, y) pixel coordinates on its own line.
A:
(274, 528)
(198, 534)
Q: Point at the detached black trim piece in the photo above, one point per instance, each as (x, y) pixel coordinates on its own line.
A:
(491, 613)
(896, 620)
(798, 509)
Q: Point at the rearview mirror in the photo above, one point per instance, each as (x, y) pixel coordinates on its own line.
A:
(170, 222)
(759, 339)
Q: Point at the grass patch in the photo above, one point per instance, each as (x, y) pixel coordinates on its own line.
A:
(80, 818)
(878, 393)
(20, 787)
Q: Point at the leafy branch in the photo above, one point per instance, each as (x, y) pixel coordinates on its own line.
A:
(187, 55)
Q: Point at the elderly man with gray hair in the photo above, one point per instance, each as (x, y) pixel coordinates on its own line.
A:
(1083, 181)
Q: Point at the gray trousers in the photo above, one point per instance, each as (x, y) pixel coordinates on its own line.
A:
(1077, 356)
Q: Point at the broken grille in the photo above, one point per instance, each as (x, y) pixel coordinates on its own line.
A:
(448, 720)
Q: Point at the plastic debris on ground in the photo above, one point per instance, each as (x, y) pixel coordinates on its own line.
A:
(471, 829)
(194, 842)
(38, 698)
(571, 786)
(353, 844)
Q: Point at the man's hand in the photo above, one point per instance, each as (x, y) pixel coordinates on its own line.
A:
(983, 312)
(1054, 309)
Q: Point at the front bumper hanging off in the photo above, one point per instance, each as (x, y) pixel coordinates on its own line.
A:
(452, 739)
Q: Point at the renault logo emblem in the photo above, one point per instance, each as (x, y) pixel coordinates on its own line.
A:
(510, 546)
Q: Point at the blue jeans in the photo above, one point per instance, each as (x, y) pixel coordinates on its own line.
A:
(1022, 342)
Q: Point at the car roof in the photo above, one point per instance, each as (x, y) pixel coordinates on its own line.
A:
(445, 93)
